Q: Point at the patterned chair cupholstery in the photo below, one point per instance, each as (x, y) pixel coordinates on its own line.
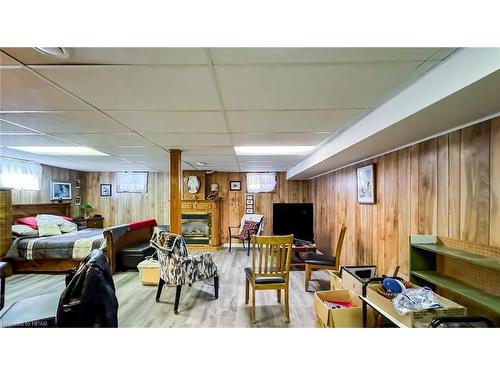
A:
(178, 267)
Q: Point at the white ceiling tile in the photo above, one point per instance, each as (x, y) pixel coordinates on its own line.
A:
(289, 121)
(311, 87)
(31, 140)
(173, 140)
(138, 87)
(22, 90)
(6, 60)
(319, 55)
(208, 151)
(104, 56)
(209, 158)
(6, 127)
(269, 158)
(172, 122)
(275, 139)
(105, 139)
(66, 122)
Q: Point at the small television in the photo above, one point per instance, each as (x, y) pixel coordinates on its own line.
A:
(294, 218)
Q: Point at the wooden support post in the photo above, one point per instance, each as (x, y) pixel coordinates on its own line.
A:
(175, 191)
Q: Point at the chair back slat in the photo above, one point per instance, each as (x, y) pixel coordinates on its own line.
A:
(340, 242)
(272, 255)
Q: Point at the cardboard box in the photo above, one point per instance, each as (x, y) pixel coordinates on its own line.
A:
(337, 318)
(353, 277)
(149, 271)
(335, 281)
(418, 318)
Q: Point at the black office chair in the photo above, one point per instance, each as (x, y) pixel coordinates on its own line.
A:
(87, 301)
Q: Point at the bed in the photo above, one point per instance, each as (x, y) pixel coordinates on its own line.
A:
(57, 253)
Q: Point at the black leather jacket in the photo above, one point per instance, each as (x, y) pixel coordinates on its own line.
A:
(89, 299)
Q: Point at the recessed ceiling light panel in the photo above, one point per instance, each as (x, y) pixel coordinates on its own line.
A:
(273, 150)
(60, 151)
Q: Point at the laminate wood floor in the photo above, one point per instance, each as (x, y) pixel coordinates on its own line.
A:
(197, 306)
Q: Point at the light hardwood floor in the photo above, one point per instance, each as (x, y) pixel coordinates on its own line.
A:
(197, 307)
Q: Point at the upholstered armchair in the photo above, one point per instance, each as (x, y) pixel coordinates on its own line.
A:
(251, 224)
(178, 267)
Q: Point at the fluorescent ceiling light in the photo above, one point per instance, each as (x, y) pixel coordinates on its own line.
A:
(273, 150)
(59, 151)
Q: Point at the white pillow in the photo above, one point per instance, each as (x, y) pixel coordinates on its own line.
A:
(68, 226)
(24, 230)
(47, 228)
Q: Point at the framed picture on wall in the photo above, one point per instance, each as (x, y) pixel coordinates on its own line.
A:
(249, 210)
(78, 200)
(106, 190)
(60, 190)
(77, 183)
(365, 178)
(235, 185)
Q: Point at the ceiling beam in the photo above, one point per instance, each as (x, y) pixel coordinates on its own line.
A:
(459, 71)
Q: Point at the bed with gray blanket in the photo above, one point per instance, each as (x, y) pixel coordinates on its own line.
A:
(73, 245)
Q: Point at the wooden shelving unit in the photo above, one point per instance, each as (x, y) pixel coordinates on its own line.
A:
(424, 252)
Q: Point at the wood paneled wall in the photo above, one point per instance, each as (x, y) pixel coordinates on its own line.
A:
(49, 174)
(122, 208)
(234, 202)
(449, 186)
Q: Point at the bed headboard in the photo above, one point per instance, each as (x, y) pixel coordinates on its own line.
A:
(33, 209)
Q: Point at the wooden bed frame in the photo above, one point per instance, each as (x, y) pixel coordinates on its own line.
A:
(45, 265)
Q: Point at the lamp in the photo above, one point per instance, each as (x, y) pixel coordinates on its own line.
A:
(86, 206)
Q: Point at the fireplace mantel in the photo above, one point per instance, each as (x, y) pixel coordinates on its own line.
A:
(205, 207)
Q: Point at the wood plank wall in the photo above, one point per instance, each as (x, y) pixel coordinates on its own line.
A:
(49, 174)
(123, 208)
(234, 202)
(449, 186)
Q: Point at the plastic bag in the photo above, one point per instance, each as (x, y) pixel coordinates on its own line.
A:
(415, 299)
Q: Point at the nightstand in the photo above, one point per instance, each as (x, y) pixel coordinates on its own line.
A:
(91, 222)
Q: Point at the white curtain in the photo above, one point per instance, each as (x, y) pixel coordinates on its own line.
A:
(20, 174)
(261, 182)
(132, 182)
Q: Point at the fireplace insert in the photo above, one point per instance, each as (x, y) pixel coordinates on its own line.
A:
(196, 228)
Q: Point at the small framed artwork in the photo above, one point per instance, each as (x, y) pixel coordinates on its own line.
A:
(77, 183)
(366, 184)
(249, 197)
(60, 191)
(78, 200)
(105, 190)
(249, 201)
(235, 185)
(249, 205)
(249, 210)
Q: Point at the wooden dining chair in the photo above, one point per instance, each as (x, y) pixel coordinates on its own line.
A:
(314, 261)
(270, 269)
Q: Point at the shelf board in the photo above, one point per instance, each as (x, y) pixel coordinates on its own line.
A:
(479, 296)
(465, 256)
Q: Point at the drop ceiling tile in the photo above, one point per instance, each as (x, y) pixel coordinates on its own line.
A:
(269, 158)
(22, 90)
(279, 139)
(172, 122)
(31, 140)
(289, 121)
(105, 139)
(208, 151)
(318, 55)
(5, 60)
(66, 122)
(172, 140)
(209, 158)
(311, 87)
(105, 56)
(6, 127)
(138, 87)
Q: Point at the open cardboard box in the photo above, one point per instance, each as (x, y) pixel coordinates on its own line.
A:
(416, 318)
(335, 281)
(338, 318)
(149, 272)
(354, 276)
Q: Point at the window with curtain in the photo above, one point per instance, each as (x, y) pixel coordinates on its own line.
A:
(261, 182)
(20, 174)
(132, 182)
